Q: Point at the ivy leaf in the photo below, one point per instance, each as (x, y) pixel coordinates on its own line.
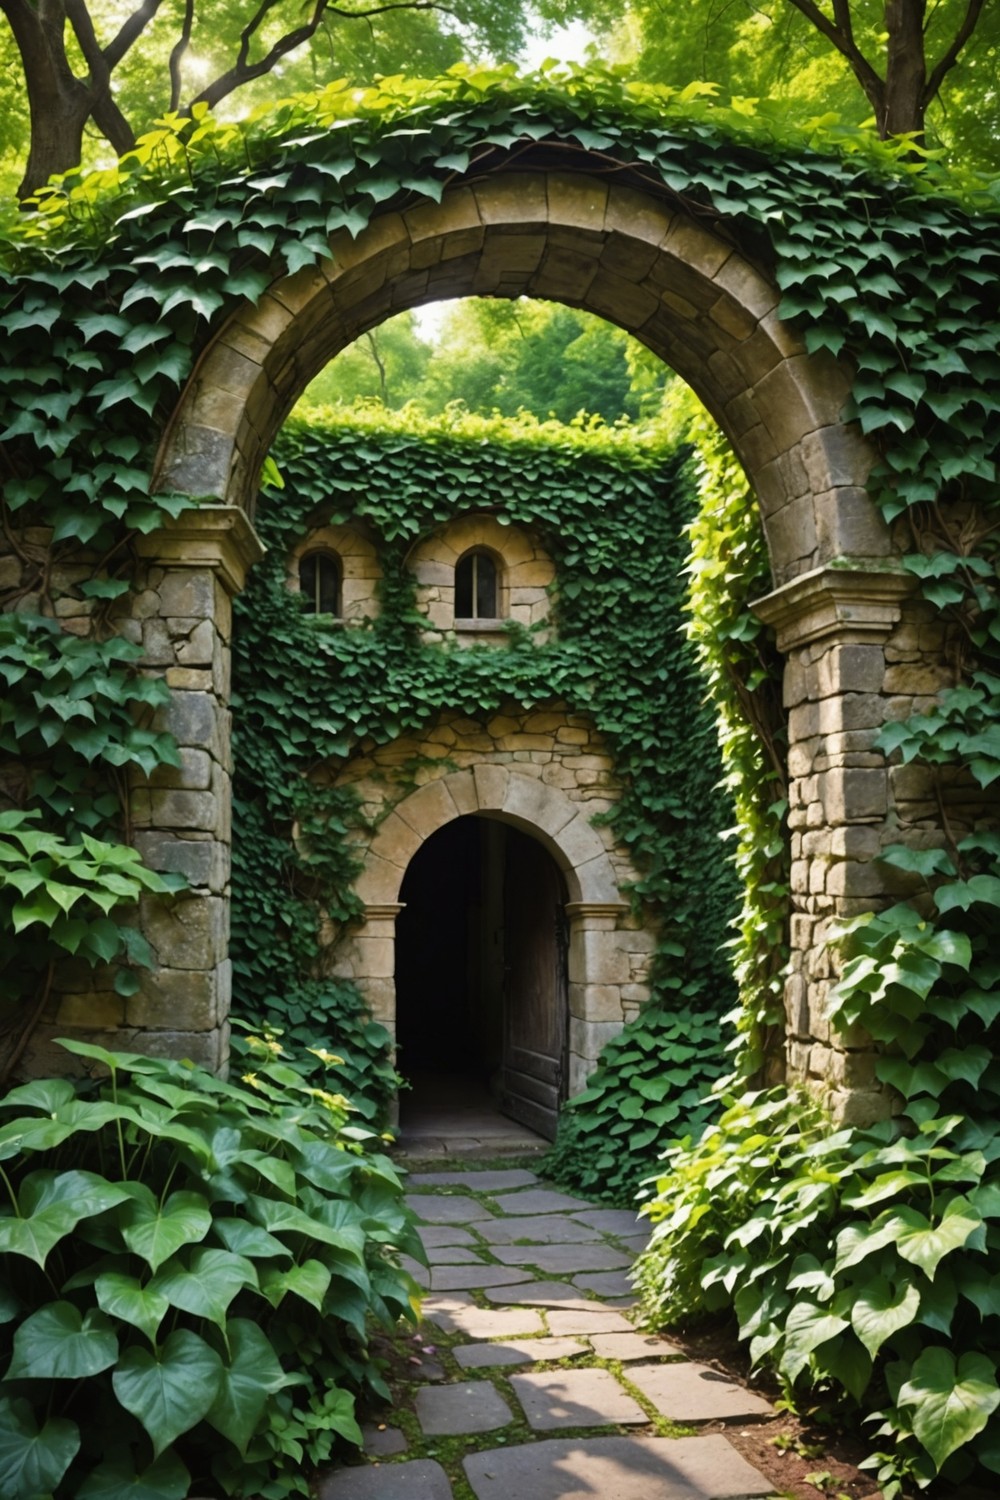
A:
(116, 1478)
(950, 1401)
(251, 1376)
(207, 1289)
(33, 1460)
(925, 1244)
(880, 1310)
(156, 1231)
(171, 1389)
(59, 1343)
(125, 1297)
(806, 1328)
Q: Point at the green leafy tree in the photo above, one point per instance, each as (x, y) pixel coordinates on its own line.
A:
(387, 364)
(917, 69)
(74, 69)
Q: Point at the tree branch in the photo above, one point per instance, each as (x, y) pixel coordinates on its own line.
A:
(843, 41)
(950, 57)
(177, 55)
(244, 71)
(130, 32)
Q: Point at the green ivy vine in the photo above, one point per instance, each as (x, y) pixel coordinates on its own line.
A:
(609, 509)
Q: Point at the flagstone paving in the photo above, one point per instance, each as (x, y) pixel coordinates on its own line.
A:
(493, 1240)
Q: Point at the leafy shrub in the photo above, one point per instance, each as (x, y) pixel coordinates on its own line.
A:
(864, 1261)
(651, 1087)
(190, 1267)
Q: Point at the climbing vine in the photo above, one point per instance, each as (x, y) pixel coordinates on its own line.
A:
(112, 287)
(608, 507)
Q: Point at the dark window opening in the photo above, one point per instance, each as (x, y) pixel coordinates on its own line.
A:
(476, 587)
(319, 582)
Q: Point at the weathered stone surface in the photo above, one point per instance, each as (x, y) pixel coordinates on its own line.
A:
(565, 1259)
(518, 1352)
(542, 1294)
(605, 1283)
(612, 1220)
(420, 1479)
(479, 1182)
(570, 1320)
(383, 1442)
(539, 1201)
(455, 1314)
(434, 1235)
(630, 1346)
(694, 1393)
(458, 1278)
(476, 1406)
(543, 1229)
(452, 1255)
(575, 1398)
(434, 1209)
(611, 1468)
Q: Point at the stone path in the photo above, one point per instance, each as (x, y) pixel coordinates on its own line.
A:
(533, 1382)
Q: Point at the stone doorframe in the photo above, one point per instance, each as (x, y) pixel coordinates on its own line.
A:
(709, 310)
(600, 947)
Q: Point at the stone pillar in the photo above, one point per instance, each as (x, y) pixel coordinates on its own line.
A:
(598, 969)
(836, 626)
(372, 958)
(181, 817)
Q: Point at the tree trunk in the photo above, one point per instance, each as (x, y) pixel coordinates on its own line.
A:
(58, 103)
(906, 69)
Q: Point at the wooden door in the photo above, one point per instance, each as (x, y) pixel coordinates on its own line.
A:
(534, 1067)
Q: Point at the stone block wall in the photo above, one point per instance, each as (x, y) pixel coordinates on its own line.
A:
(548, 772)
(360, 568)
(525, 574)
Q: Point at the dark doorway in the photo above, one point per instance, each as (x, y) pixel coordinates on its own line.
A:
(480, 971)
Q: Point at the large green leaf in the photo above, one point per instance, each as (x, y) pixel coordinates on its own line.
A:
(36, 1236)
(951, 1400)
(59, 1343)
(125, 1297)
(309, 1281)
(925, 1244)
(252, 1374)
(806, 1328)
(171, 1389)
(244, 1238)
(116, 1478)
(207, 1287)
(879, 1310)
(157, 1231)
(33, 1460)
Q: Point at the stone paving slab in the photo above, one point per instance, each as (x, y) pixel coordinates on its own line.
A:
(694, 1393)
(434, 1235)
(629, 1346)
(570, 1321)
(540, 1229)
(418, 1479)
(541, 1294)
(433, 1208)
(635, 1244)
(613, 1468)
(452, 1255)
(383, 1442)
(604, 1283)
(614, 1220)
(518, 1352)
(478, 1182)
(455, 1314)
(462, 1278)
(563, 1259)
(540, 1201)
(575, 1398)
(453, 1410)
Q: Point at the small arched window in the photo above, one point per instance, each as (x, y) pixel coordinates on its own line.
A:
(476, 590)
(320, 578)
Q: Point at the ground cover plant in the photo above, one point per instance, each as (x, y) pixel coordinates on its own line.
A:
(608, 506)
(193, 1272)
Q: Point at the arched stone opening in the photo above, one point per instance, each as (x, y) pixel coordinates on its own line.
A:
(481, 977)
(704, 305)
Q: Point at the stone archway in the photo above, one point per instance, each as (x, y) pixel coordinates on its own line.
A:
(706, 307)
(601, 946)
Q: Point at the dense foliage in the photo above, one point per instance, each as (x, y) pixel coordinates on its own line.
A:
(112, 288)
(190, 1270)
(609, 510)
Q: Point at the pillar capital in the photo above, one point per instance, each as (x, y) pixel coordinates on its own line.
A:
(837, 604)
(218, 537)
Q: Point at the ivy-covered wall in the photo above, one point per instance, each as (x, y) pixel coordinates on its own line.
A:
(599, 708)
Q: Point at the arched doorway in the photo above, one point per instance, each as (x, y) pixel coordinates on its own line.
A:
(481, 973)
